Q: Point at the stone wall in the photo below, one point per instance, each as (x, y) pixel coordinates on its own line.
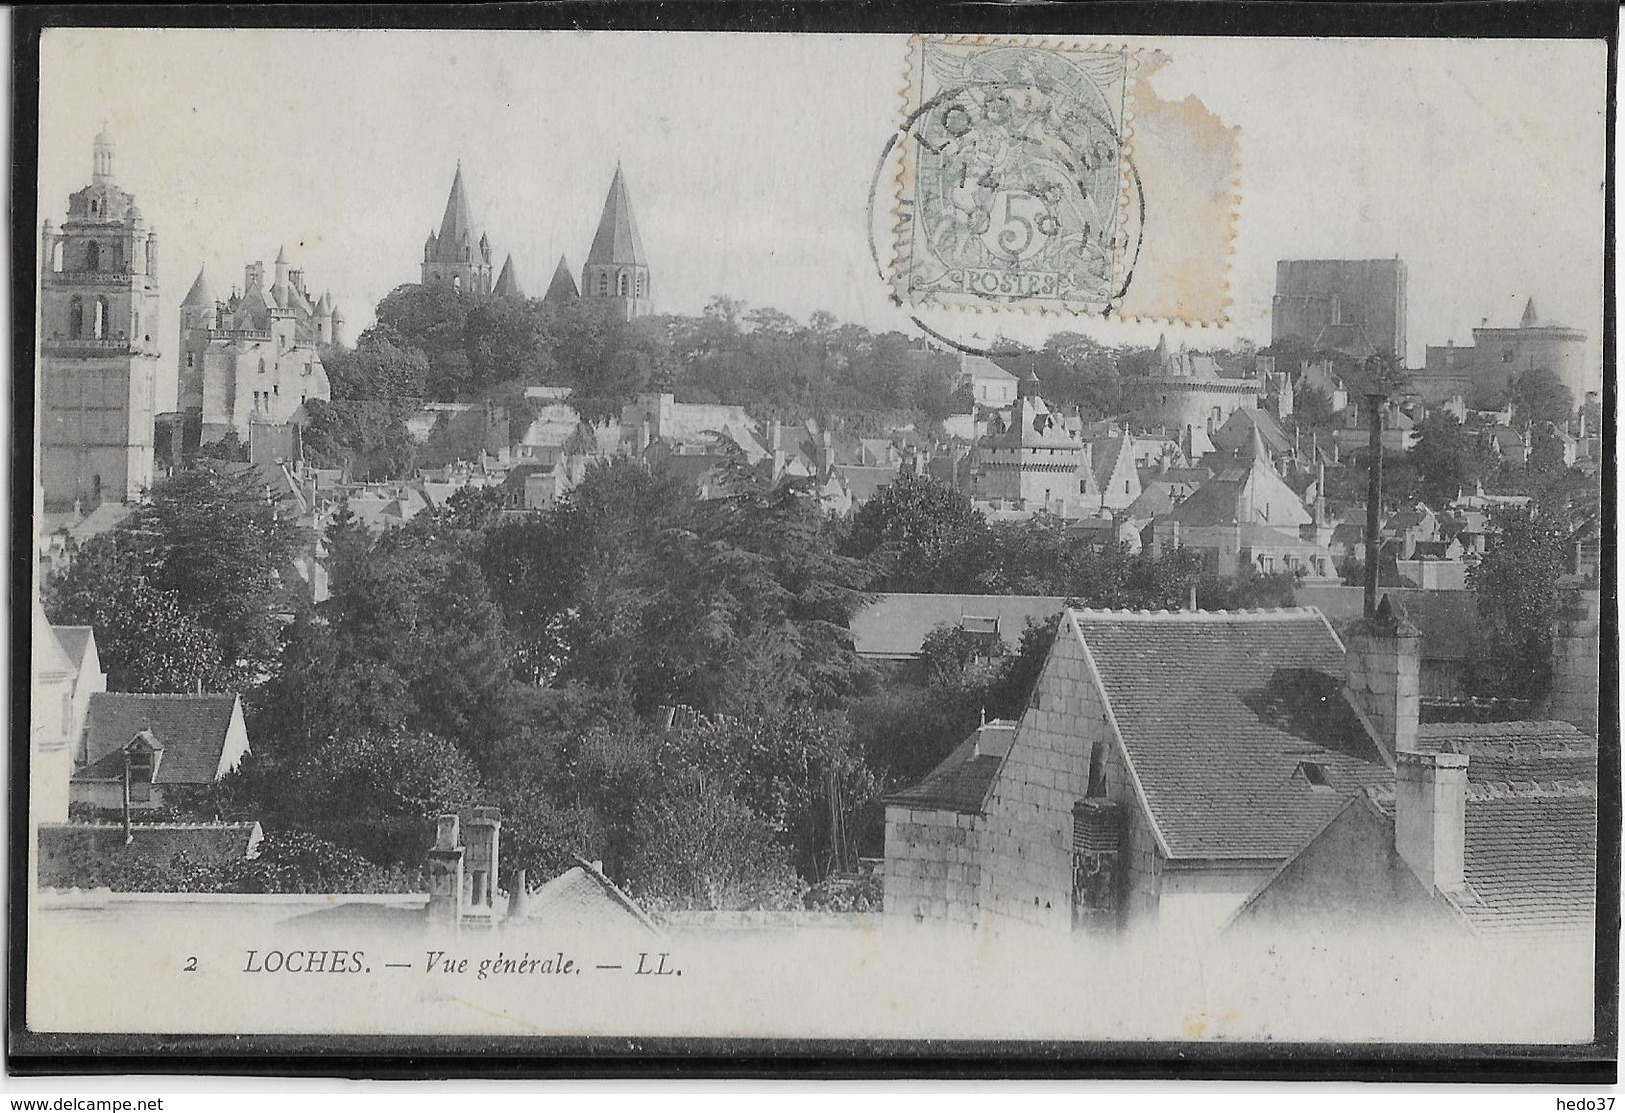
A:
(933, 872)
(1027, 838)
(1577, 664)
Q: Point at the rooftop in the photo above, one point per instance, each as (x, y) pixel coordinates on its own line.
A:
(1218, 710)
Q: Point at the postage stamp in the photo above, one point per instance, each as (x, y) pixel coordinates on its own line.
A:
(1019, 186)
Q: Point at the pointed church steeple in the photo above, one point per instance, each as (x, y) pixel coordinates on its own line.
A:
(563, 287)
(508, 281)
(460, 256)
(617, 270)
(1530, 320)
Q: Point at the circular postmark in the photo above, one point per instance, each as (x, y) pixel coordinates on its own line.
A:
(1008, 193)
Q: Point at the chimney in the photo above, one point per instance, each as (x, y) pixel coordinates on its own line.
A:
(1382, 667)
(1430, 817)
(446, 875)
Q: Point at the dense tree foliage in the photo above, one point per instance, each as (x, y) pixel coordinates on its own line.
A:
(1517, 588)
(1538, 395)
(189, 588)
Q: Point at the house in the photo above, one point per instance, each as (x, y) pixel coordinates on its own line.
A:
(1489, 830)
(895, 625)
(1166, 765)
(1116, 477)
(66, 673)
(990, 385)
(1237, 433)
(1245, 515)
(165, 742)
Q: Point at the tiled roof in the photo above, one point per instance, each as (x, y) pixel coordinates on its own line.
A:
(1516, 752)
(1218, 710)
(1530, 857)
(583, 899)
(191, 730)
(896, 625)
(959, 784)
(980, 368)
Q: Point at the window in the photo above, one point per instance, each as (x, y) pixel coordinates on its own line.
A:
(98, 328)
(191, 360)
(93, 207)
(76, 317)
(621, 286)
(67, 714)
(93, 259)
(1315, 773)
(1125, 486)
(276, 388)
(262, 365)
(457, 281)
(603, 284)
(1506, 356)
(643, 285)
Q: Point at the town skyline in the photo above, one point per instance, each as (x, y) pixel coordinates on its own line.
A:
(530, 137)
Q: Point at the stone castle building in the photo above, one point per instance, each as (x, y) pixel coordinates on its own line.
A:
(616, 274)
(1188, 395)
(1353, 306)
(1481, 373)
(98, 354)
(254, 358)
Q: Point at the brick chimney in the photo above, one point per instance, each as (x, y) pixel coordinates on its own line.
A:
(1430, 817)
(1382, 667)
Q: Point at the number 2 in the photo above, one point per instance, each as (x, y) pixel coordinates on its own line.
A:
(191, 963)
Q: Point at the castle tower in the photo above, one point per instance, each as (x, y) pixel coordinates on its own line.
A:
(562, 289)
(459, 256)
(324, 319)
(617, 270)
(198, 317)
(98, 359)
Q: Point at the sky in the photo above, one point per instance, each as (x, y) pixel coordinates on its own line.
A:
(749, 159)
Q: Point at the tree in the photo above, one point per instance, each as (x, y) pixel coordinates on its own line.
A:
(190, 587)
(1538, 395)
(1516, 588)
(923, 535)
(377, 795)
(1445, 459)
(701, 848)
(146, 640)
(381, 367)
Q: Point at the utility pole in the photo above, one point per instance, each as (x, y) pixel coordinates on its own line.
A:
(1385, 379)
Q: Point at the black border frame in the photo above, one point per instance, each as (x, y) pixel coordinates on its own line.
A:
(395, 1057)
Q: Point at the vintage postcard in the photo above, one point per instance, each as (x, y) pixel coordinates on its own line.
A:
(895, 537)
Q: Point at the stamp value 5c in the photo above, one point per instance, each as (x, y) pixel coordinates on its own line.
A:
(1018, 187)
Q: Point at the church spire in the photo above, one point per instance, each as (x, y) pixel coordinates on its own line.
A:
(199, 293)
(563, 287)
(1530, 320)
(617, 241)
(617, 270)
(508, 281)
(457, 226)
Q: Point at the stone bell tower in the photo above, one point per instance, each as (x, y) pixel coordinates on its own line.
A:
(98, 355)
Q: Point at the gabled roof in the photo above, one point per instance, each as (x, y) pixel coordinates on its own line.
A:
(583, 899)
(1530, 856)
(1523, 751)
(962, 781)
(975, 368)
(191, 730)
(1217, 711)
(1239, 430)
(895, 625)
(617, 240)
(75, 642)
